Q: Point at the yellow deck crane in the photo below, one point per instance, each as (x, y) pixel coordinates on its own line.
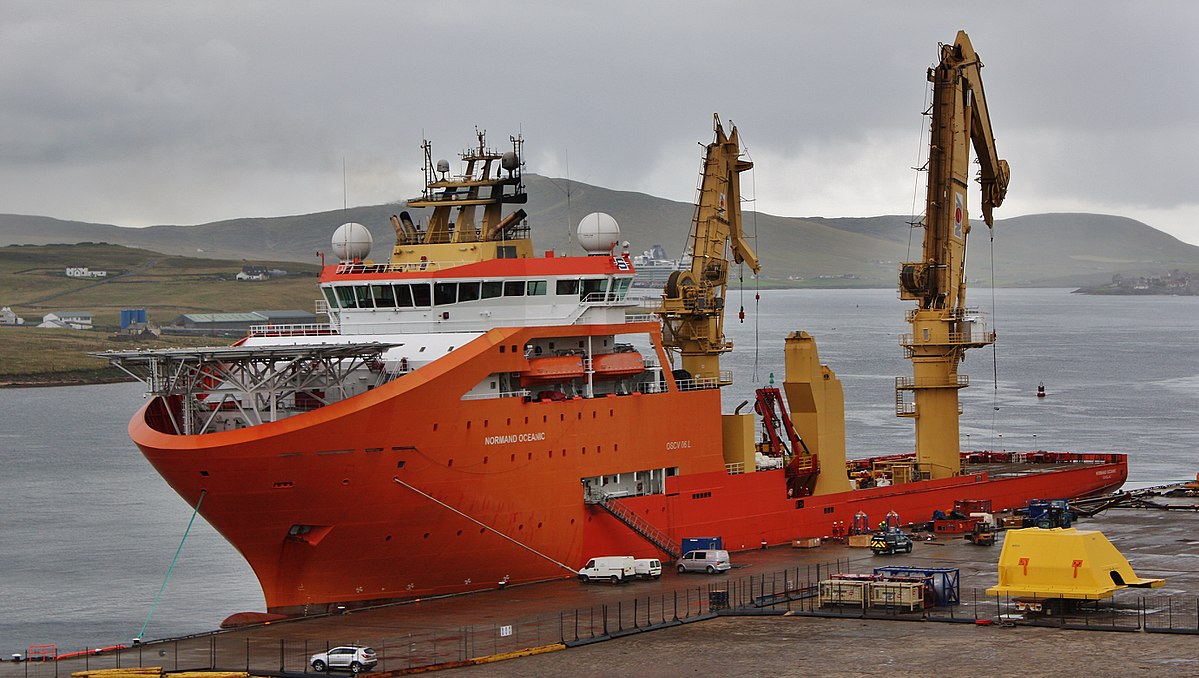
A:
(692, 308)
(942, 328)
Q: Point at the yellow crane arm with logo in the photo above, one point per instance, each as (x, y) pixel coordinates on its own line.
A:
(942, 329)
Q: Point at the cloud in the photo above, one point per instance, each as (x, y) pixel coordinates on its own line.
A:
(176, 112)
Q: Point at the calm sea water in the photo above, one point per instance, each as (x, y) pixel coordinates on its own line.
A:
(88, 530)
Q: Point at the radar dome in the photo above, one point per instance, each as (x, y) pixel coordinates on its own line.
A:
(443, 165)
(352, 242)
(598, 233)
(509, 161)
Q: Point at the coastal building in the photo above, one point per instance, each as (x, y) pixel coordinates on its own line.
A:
(9, 317)
(84, 272)
(236, 323)
(67, 320)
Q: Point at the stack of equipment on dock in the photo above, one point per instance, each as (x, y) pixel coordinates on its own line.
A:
(880, 590)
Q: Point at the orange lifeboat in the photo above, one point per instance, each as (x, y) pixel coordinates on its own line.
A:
(554, 368)
(612, 365)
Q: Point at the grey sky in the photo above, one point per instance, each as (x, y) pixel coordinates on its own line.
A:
(139, 113)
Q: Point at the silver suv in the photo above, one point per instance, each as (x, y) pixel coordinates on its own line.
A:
(356, 658)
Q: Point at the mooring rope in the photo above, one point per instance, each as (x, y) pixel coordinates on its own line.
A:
(485, 526)
(174, 560)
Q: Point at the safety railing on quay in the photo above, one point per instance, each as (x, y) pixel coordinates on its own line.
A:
(795, 590)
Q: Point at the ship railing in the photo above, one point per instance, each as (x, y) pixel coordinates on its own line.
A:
(736, 468)
(400, 267)
(641, 318)
(652, 387)
(522, 393)
(601, 297)
(908, 383)
(702, 383)
(299, 330)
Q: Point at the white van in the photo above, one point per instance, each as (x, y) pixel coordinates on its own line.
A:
(706, 560)
(647, 568)
(611, 568)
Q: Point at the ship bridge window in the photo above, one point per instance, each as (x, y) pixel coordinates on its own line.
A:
(421, 295)
(468, 291)
(345, 295)
(594, 290)
(330, 296)
(363, 293)
(493, 289)
(403, 296)
(445, 293)
(383, 296)
(514, 288)
(537, 287)
(622, 287)
(567, 288)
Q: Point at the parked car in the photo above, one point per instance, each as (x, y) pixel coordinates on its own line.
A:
(356, 658)
(707, 560)
(890, 542)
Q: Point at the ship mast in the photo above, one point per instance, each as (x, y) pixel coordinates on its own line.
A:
(455, 235)
(692, 308)
(941, 328)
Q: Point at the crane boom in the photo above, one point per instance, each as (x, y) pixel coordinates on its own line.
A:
(692, 308)
(942, 329)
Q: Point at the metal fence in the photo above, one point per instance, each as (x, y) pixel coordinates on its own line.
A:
(794, 590)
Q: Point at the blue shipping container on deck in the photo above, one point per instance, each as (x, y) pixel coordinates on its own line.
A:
(696, 543)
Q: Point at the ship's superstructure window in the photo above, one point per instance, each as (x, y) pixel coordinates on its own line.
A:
(383, 296)
(468, 291)
(537, 287)
(594, 289)
(514, 288)
(445, 293)
(493, 289)
(567, 288)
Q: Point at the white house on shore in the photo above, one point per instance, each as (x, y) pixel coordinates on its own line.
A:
(84, 272)
(68, 320)
(9, 317)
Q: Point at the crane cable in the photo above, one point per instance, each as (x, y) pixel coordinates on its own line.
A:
(753, 183)
(994, 350)
(141, 634)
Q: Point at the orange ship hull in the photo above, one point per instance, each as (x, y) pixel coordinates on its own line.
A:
(409, 490)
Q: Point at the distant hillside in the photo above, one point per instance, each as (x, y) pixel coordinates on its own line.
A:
(1048, 250)
(33, 283)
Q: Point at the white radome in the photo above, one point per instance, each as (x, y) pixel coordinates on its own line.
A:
(598, 233)
(352, 242)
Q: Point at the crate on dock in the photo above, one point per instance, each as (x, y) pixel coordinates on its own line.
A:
(908, 595)
(851, 592)
(806, 543)
(859, 541)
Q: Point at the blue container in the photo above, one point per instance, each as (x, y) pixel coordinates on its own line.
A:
(697, 543)
(130, 316)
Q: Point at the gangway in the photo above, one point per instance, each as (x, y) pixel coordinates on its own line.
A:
(639, 525)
